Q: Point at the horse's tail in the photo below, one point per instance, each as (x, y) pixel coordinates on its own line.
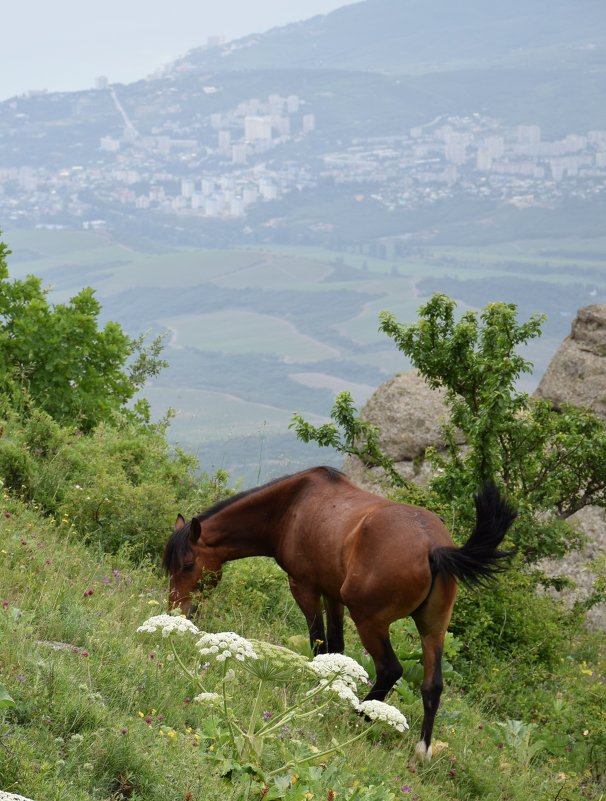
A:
(479, 559)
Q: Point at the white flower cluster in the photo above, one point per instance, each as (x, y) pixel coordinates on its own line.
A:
(377, 710)
(202, 697)
(344, 692)
(168, 624)
(348, 670)
(226, 645)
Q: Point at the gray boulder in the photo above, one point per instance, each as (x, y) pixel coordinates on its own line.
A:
(577, 372)
(409, 415)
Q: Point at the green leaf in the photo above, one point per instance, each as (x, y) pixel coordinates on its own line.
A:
(6, 700)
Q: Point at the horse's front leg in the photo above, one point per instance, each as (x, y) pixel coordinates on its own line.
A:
(309, 601)
(334, 626)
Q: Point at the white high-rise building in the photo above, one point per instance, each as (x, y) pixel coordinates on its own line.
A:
(187, 187)
(292, 104)
(239, 153)
(257, 129)
(309, 123)
(224, 140)
(250, 195)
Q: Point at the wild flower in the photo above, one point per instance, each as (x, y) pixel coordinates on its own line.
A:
(347, 669)
(226, 645)
(378, 710)
(344, 691)
(168, 624)
(203, 697)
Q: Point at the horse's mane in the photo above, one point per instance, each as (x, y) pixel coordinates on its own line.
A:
(177, 547)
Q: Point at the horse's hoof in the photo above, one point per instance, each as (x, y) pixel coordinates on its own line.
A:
(422, 752)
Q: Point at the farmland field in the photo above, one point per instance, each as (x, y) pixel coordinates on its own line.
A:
(253, 335)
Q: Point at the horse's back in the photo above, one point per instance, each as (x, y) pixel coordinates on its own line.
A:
(362, 548)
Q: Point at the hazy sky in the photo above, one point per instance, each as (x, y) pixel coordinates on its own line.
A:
(65, 44)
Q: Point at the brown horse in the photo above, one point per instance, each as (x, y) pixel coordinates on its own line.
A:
(344, 547)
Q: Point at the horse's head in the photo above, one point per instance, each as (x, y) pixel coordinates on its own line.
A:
(188, 561)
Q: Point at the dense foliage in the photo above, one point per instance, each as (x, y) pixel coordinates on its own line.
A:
(119, 486)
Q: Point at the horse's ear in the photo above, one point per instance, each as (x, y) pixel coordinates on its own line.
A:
(179, 522)
(195, 529)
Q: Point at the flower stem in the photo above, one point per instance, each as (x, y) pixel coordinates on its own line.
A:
(328, 751)
(289, 713)
(184, 668)
(255, 711)
(227, 715)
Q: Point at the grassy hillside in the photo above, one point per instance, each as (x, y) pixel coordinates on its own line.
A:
(103, 713)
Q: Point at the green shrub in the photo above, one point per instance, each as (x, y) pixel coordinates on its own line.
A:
(120, 484)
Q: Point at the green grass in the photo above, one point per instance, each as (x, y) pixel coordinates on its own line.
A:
(101, 713)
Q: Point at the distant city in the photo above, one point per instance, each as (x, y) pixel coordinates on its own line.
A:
(225, 165)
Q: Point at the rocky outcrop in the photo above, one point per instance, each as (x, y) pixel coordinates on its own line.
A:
(409, 415)
(577, 375)
(577, 372)
(591, 520)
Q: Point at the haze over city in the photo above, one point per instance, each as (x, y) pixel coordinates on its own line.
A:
(64, 46)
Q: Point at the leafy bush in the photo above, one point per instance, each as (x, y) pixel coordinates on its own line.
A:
(120, 485)
(57, 356)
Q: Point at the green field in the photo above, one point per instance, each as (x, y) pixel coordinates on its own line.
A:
(244, 325)
(246, 332)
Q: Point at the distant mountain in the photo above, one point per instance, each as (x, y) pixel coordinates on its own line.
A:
(420, 36)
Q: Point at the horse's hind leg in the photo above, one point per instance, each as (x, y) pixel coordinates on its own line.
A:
(375, 638)
(334, 626)
(309, 601)
(431, 690)
(432, 620)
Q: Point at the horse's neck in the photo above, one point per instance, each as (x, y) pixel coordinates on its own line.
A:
(248, 528)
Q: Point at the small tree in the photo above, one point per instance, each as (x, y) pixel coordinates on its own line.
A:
(57, 356)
